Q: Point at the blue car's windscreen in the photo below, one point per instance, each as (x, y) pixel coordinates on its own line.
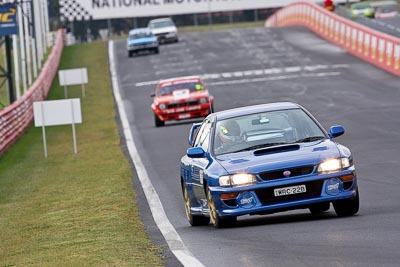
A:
(265, 129)
(140, 35)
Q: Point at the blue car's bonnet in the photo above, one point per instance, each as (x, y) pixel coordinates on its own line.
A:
(146, 40)
(306, 154)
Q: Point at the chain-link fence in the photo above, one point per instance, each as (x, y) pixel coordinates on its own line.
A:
(86, 31)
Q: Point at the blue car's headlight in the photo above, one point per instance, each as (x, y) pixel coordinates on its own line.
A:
(332, 165)
(240, 179)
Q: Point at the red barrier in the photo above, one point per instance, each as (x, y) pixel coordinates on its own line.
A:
(15, 118)
(372, 46)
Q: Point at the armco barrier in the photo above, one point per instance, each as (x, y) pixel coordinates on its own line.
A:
(375, 47)
(15, 118)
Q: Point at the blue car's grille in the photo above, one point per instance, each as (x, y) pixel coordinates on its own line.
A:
(140, 44)
(266, 195)
(279, 174)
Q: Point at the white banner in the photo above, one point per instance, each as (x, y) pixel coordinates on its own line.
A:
(111, 9)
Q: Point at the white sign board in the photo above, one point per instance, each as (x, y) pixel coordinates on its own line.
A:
(57, 112)
(73, 77)
(109, 9)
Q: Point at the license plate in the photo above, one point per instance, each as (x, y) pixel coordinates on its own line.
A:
(184, 116)
(291, 190)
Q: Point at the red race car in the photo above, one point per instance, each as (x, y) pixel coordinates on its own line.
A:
(181, 98)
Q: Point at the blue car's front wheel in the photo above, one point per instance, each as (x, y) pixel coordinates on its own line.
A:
(347, 207)
(216, 220)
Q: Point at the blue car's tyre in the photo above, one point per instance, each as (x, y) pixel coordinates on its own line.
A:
(216, 220)
(319, 207)
(193, 220)
(347, 207)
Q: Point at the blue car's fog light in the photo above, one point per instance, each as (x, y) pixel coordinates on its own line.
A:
(334, 186)
(247, 200)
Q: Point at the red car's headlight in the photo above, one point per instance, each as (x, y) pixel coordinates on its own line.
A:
(203, 100)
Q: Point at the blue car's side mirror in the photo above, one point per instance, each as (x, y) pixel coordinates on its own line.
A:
(192, 132)
(336, 131)
(195, 152)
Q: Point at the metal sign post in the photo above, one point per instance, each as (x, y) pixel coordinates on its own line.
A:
(44, 131)
(73, 127)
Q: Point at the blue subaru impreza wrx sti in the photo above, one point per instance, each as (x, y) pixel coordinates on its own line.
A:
(264, 159)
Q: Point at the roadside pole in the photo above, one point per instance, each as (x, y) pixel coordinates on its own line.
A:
(22, 46)
(43, 26)
(31, 14)
(38, 30)
(16, 65)
(27, 41)
(9, 70)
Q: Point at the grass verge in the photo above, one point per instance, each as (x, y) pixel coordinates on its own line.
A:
(73, 210)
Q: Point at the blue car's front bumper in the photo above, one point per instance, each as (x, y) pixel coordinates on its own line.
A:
(260, 198)
(144, 46)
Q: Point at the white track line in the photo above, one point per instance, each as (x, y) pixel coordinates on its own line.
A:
(258, 72)
(172, 237)
(275, 78)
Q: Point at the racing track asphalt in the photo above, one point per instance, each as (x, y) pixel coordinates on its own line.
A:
(258, 65)
(390, 26)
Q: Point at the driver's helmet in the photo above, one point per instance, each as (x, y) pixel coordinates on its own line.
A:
(229, 132)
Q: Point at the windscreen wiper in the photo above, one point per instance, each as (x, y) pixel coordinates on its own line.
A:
(260, 146)
(310, 139)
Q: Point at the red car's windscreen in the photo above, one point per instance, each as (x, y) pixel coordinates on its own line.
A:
(169, 87)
